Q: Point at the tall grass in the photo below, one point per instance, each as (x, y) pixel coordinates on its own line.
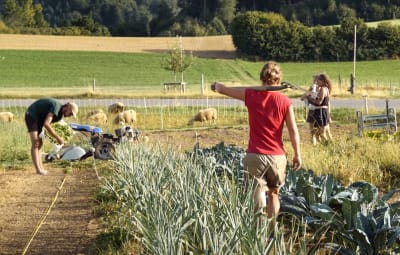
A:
(15, 145)
(354, 158)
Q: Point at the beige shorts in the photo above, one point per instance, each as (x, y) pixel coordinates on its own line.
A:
(268, 170)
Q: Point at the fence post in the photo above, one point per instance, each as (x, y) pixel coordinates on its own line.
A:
(202, 84)
(366, 103)
(94, 86)
(162, 119)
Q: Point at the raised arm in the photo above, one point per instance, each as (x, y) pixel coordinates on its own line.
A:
(234, 92)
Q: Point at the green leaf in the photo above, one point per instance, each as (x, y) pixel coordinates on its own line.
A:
(338, 199)
(294, 205)
(327, 188)
(368, 192)
(310, 194)
(339, 249)
(323, 211)
(389, 195)
(364, 245)
(351, 211)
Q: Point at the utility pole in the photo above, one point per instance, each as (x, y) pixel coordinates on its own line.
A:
(354, 57)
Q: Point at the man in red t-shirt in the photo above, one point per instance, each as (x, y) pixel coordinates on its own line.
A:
(265, 159)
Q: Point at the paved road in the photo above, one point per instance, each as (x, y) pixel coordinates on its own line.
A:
(336, 103)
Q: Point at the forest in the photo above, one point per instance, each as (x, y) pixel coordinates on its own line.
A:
(174, 17)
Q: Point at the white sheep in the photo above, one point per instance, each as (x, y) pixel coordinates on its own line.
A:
(6, 116)
(116, 108)
(99, 118)
(125, 117)
(94, 112)
(209, 114)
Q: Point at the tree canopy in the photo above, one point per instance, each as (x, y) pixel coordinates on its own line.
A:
(181, 17)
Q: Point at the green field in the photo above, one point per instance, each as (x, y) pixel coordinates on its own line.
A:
(394, 22)
(135, 74)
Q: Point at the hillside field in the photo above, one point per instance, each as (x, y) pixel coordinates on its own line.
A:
(66, 66)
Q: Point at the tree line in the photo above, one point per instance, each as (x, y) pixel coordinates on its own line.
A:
(264, 35)
(175, 17)
(283, 29)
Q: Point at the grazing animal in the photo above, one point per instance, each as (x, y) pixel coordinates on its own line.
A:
(125, 117)
(6, 116)
(209, 114)
(116, 108)
(94, 112)
(99, 118)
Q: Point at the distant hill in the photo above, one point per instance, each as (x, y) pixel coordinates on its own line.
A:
(210, 46)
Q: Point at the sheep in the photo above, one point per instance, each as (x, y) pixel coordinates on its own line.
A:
(204, 115)
(116, 108)
(6, 116)
(94, 112)
(99, 117)
(125, 117)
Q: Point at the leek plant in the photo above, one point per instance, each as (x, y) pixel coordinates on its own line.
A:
(196, 203)
(171, 204)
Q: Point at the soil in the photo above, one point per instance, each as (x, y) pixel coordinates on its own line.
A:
(55, 214)
(50, 214)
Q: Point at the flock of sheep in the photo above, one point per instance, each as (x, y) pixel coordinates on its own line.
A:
(121, 116)
(118, 113)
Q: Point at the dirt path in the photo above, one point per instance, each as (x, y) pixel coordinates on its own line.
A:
(27, 226)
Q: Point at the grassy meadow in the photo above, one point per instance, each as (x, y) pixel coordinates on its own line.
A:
(27, 73)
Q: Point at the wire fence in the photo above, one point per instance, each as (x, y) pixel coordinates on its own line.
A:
(152, 114)
(164, 114)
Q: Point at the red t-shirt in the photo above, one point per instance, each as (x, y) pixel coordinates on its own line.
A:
(267, 112)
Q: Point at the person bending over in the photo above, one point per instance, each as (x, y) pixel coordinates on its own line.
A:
(42, 113)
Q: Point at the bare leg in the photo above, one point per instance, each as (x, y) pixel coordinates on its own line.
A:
(319, 133)
(260, 202)
(273, 202)
(36, 150)
(328, 132)
(322, 134)
(325, 133)
(313, 134)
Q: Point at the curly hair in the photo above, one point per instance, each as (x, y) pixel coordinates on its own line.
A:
(271, 73)
(327, 81)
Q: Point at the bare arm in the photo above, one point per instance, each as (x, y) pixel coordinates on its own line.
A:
(305, 95)
(47, 126)
(294, 138)
(234, 92)
(322, 93)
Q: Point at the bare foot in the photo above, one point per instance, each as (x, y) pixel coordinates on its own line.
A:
(42, 172)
